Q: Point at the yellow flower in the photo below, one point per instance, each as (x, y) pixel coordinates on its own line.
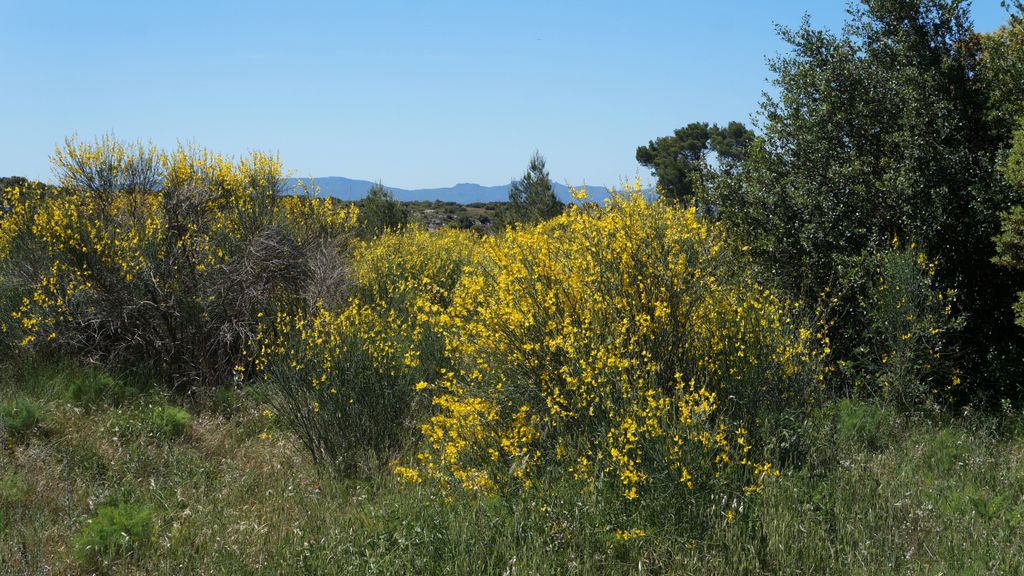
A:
(625, 535)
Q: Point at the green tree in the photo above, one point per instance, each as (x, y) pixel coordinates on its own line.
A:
(1010, 241)
(532, 198)
(1001, 75)
(694, 156)
(880, 132)
(380, 212)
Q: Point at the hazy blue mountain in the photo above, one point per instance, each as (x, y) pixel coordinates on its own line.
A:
(464, 193)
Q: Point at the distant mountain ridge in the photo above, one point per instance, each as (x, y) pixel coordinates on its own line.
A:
(462, 193)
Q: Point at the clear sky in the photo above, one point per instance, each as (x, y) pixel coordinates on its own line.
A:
(414, 94)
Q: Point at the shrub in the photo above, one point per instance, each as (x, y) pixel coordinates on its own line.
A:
(93, 387)
(114, 533)
(343, 378)
(224, 401)
(624, 347)
(414, 273)
(379, 212)
(1010, 251)
(15, 213)
(168, 422)
(903, 354)
(20, 417)
(165, 261)
(401, 268)
(10, 298)
(532, 198)
(1010, 241)
(878, 129)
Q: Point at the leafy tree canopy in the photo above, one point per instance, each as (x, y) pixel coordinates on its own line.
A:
(878, 132)
(682, 161)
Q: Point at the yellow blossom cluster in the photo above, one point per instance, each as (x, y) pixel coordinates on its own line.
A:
(622, 344)
(346, 377)
(135, 251)
(413, 268)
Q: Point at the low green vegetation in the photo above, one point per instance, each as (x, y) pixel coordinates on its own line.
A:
(115, 533)
(93, 388)
(20, 417)
(168, 422)
(479, 216)
(879, 492)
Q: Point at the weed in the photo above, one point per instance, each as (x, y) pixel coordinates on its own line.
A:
(93, 388)
(114, 533)
(21, 417)
(168, 422)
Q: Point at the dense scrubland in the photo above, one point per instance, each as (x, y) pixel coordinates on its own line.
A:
(799, 355)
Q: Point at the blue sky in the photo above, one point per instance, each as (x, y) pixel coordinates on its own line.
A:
(414, 94)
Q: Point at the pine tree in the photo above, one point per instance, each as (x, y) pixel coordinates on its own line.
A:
(532, 199)
(379, 212)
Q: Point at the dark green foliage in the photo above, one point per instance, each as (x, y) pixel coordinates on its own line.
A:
(478, 216)
(901, 353)
(532, 199)
(1014, 169)
(1001, 74)
(11, 295)
(168, 422)
(1010, 241)
(880, 132)
(94, 387)
(682, 161)
(11, 182)
(20, 417)
(1010, 251)
(113, 534)
(354, 423)
(224, 401)
(380, 212)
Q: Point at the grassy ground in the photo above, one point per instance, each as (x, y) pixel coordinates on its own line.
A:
(133, 489)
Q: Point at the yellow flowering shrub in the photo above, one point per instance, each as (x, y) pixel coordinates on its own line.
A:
(342, 380)
(17, 204)
(162, 259)
(344, 377)
(413, 265)
(414, 272)
(903, 351)
(623, 346)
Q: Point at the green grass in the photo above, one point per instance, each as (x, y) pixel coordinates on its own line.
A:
(879, 493)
